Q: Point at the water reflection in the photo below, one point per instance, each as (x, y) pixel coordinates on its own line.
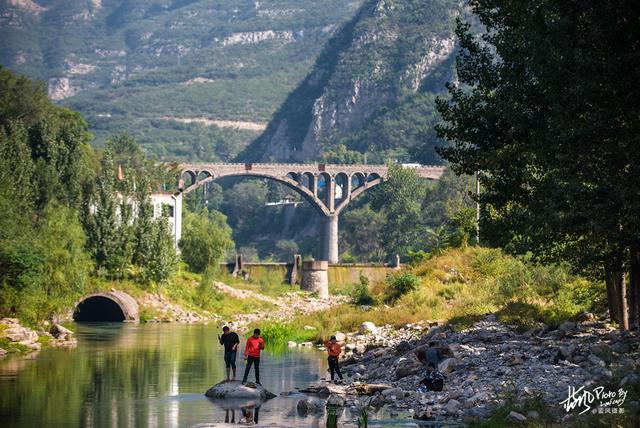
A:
(124, 375)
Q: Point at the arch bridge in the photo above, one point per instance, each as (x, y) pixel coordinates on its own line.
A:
(328, 188)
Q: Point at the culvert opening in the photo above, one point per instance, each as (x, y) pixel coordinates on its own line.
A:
(98, 308)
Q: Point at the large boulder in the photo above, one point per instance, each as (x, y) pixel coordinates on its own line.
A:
(368, 327)
(233, 390)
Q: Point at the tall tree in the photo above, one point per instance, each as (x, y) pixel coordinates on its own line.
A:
(546, 111)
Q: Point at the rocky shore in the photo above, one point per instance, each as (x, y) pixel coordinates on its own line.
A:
(17, 338)
(484, 365)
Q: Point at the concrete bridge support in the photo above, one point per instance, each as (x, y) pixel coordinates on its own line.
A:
(330, 239)
(327, 188)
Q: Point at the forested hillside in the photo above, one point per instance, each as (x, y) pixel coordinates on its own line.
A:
(372, 89)
(190, 79)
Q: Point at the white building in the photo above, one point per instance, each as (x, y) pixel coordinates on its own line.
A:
(169, 205)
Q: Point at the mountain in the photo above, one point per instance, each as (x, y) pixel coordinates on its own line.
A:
(372, 89)
(190, 79)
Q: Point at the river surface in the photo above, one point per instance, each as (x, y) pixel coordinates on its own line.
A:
(152, 375)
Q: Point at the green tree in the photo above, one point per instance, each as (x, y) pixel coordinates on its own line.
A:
(361, 233)
(161, 258)
(286, 249)
(543, 112)
(206, 238)
(401, 197)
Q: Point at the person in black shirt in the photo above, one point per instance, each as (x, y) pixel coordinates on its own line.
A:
(230, 340)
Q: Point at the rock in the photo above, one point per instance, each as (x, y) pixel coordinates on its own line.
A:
(57, 331)
(532, 414)
(236, 390)
(408, 366)
(403, 347)
(305, 345)
(335, 400)
(360, 348)
(621, 348)
(516, 417)
(397, 392)
(308, 327)
(447, 366)
(586, 317)
(340, 337)
(567, 351)
(3, 352)
(452, 406)
(368, 327)
(478, 412)
(309, 406)
(567, 326)
(292, 344)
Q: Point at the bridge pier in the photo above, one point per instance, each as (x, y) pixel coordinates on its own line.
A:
(330, 241)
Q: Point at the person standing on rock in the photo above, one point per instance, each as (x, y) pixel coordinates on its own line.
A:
(334, 350)
(252, 355)
(230, 340)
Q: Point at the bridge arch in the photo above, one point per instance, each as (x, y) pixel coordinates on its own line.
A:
(328, 188)
(112, 306)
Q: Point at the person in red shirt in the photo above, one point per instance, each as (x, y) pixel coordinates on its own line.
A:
(252, 355)
(333, 349)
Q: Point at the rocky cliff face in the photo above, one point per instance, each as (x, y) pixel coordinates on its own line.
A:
(374, 68)
(123, 63)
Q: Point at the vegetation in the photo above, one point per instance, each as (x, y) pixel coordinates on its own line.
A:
(539, 113)
(73, 218)
(459, 285)
(144, 61)
(370, 74)
(205, 241)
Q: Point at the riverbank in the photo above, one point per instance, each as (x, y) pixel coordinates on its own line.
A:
(495, 375)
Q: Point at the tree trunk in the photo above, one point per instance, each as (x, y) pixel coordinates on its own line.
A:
(611, 280)
(624, 308)
(634, 290)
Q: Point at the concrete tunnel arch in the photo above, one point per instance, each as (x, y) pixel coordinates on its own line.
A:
(111, 306)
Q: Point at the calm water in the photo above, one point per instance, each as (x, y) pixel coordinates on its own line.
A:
(124, 375)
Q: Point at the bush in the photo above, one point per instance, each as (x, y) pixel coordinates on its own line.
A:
(361, 294)
(400, 284)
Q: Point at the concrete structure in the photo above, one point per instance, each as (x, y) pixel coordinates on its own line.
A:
(315, 278)
(170, 206)
(110, 306)
(328, 188)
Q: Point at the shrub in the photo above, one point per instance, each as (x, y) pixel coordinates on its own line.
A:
(361, 293)
(400, 284)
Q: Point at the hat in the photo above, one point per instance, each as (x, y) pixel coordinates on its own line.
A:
(333, 338)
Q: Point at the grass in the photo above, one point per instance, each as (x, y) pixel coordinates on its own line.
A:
(460, 286)
(193, 292)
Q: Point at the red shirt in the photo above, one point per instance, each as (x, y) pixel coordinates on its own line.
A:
(253, 347)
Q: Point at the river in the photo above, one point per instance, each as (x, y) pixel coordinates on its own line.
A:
(150, 375)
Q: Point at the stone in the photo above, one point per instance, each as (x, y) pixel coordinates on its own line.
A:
(567, 326)
(340, 337)
(516, 417)
(3, 352)
(368, 327)
(57, 330)
(361, 348)
(408, 366)
(447, 366)
(292, 344)
(532, 414)
(481, 412)
(621, 348)
(335, 400)
(452, 406)
(586, 317)
(397, 392)
(308, 327)
(309, 406)
(236, 390)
